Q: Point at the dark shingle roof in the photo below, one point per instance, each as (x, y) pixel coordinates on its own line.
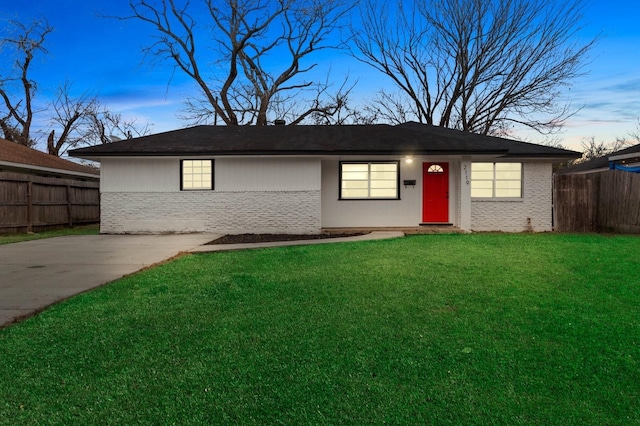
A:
(378, 139)
(598, 163)
(515, 148)
(11, 152)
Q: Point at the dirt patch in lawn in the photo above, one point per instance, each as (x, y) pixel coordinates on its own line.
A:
(269, 238)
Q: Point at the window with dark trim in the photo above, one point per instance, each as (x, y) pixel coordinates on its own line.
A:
(196, 175)
(496, 180)
(374, 180)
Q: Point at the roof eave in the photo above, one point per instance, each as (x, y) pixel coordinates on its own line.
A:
(53, 170)
(551, 157)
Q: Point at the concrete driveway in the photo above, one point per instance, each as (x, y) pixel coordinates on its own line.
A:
(36, 274)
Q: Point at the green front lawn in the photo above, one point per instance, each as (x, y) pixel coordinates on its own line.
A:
(436, 329)
(77, 230)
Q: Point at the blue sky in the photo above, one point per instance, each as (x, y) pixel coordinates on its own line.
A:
(103, 57)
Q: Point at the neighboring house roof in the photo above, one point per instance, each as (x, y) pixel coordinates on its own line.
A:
(601, 163)
(379, 139)
(19, 158)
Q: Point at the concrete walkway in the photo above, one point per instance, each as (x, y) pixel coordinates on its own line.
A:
(37, 274)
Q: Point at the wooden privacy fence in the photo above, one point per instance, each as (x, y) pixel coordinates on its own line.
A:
(597, 202)
(32, 203)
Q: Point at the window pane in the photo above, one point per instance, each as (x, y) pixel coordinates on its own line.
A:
(355, 175)
(355, 193)
(383, 175)
(383, 184)
(482, 184)
(482, 189)
(515, 167)
(355, 184)
(504, 184)
(509, 188)
(381, 167)
(482, 167)
(355, 167)
(383, 193)
(481, 193)
(508, 175)
(482, 175)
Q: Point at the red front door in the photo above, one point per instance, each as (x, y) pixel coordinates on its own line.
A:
(435, 192)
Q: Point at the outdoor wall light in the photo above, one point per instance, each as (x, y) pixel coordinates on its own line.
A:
(408, 159)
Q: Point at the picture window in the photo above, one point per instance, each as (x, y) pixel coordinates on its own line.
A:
(496, 180)
(369, 180)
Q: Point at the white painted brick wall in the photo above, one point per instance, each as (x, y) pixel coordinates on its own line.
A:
(513, 216)
(294, 212)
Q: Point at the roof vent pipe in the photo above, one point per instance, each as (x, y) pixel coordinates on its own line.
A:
(279, 122)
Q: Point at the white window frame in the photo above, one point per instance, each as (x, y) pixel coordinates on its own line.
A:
(209, 176)
(495, 179)
(369, 197)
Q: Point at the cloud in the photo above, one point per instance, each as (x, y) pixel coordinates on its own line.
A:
(134, 97)
(632, 85)
(597, 106)
(592, 122)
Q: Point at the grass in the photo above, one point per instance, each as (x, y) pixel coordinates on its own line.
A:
(78, 230)
(437, 329)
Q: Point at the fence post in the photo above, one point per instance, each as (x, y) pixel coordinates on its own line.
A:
(69, 209)
(30, 206)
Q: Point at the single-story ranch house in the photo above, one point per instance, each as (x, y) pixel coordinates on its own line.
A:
(303, 179)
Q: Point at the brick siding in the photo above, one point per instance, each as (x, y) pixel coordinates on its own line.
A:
(531, 213)
(295, 212)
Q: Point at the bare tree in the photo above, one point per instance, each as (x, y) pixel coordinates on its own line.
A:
(72, 120)
(593, 149)
(83, 120)
(325, 106)
(476, 65)
(68, 115)
(260, 53)
(17, 89)
(105, 126)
